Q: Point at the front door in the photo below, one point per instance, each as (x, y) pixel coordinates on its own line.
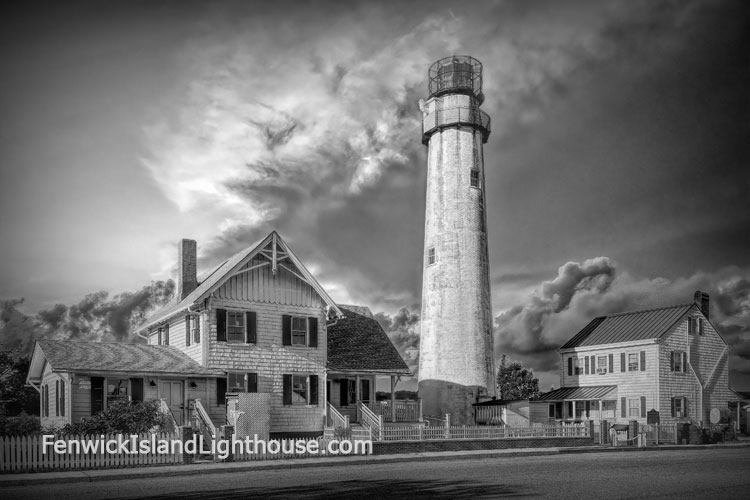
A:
(171, 392)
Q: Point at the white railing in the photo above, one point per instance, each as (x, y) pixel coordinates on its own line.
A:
(405, 410)
(167, 411)
(480, 432)
(202, 422)
(369, 419)
(488, 415)
(336, 419)
(26, 453)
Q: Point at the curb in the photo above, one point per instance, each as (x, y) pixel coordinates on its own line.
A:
(24, 479)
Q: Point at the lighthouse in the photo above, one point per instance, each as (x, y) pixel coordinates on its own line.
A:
(456, 362)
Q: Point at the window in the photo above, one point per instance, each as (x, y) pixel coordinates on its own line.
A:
(195, 328)
(679, 407)
(601, 365)
(117, 390)
(577, 368)
(300, 389)
(695, 325)
(580, 407)
(163, 335)
(431, 256)
(235, 326)
(474, 178)
(633, 362)
(678, 361)
(235, 382)
(634, 407)
(299, 331)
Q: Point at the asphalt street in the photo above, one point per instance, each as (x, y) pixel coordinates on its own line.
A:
(684, 475)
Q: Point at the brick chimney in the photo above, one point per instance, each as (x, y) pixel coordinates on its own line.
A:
(187, 270)
(701, 298)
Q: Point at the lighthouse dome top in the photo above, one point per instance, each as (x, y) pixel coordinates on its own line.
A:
(456, 74)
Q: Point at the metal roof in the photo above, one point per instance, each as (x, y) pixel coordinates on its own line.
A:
(629, 326)
(569, 393)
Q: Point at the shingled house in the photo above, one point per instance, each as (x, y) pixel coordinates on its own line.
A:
(619, 367)
(259, 322)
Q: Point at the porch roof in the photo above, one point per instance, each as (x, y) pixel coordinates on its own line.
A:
(569, 393)
(357, 343)
(89, 357)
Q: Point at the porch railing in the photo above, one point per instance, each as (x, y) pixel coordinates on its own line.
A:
(203, 423)
(488, 415)
(336, 419)
(369, 419)
(405, 410)
(394, 433)
(171, 422)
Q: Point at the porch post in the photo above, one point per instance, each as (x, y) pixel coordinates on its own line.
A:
(357, 396)
(393, 398)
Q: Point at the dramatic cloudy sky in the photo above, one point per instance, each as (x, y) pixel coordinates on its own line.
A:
(617, 170)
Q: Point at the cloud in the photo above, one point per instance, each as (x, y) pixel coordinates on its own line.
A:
(403, 330)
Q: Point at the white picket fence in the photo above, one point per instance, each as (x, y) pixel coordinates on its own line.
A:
(390, 433)
(26, 454)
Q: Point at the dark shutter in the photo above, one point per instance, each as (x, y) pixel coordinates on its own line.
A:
(671, 369)
(643, 361)
(221, 391)
(622, 361)
(57, 398)
(251, 327)
(643, 406)
(593, 365)
(685, 407)
(286, 330)
(313, 389)
(62, 398)
(364, 392)
(158, 336)
(587, 365)
(343, 392)
(684, 362)
(287, 389)
(700, 326)
(312, 325)
(166, 334)
(252, 382)
(624, 411)
(46, 400)
(221, 325)
(672, 402)
(136, 389)
(97, 395)
(611, 363)
(570, 367)
(187, 330)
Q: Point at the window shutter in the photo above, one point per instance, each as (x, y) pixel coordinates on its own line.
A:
(685, 407)
(62, 398)
(570, 366)
(286, 334)
(251, 328)
(684, 362)
(166, 334)
(221, 326)
(343, 392)
(593, 365)
(611, 363)
(622, 361)
(624, 411)
(158, 336)
(700, 326)
(643, 361)
(187, 330)
(221, 391)
(643, 406)
(672, 403)
(671, 369)
(252, 382)
(287, 389)
(57, 398)
(46, 400)
(690, 325)
(313, 389)
(312, 325)
(587, 365)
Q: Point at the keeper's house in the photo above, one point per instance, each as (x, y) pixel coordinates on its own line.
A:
(257, 323)
(619, 367)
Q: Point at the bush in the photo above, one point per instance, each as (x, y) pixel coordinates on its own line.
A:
(21, 425)
(122, 417)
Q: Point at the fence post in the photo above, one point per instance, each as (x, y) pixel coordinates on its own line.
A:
(591, 430)
(447, 426)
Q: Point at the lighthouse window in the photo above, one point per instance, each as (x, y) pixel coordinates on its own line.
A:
(474, 178)
(431, 256)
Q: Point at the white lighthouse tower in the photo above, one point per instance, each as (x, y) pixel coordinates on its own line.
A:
(456, 362)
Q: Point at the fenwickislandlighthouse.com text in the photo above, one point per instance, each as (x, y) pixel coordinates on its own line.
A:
(222, 448)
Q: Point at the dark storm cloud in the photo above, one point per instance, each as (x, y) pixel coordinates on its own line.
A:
(403, 330)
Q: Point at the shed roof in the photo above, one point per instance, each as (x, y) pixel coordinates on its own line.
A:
(88, 357)
(629, 326)
(568, 393)
(357, 343)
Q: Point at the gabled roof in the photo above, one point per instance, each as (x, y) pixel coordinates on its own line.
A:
(91, 357)
(629, 326)
(221, 273)
(592, 392)
(357, 343)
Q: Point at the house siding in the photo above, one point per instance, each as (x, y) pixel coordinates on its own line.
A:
(49, 378)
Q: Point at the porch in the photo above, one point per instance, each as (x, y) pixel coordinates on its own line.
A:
(575, 404)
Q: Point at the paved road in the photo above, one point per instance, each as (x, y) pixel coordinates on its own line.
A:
(683, 475)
